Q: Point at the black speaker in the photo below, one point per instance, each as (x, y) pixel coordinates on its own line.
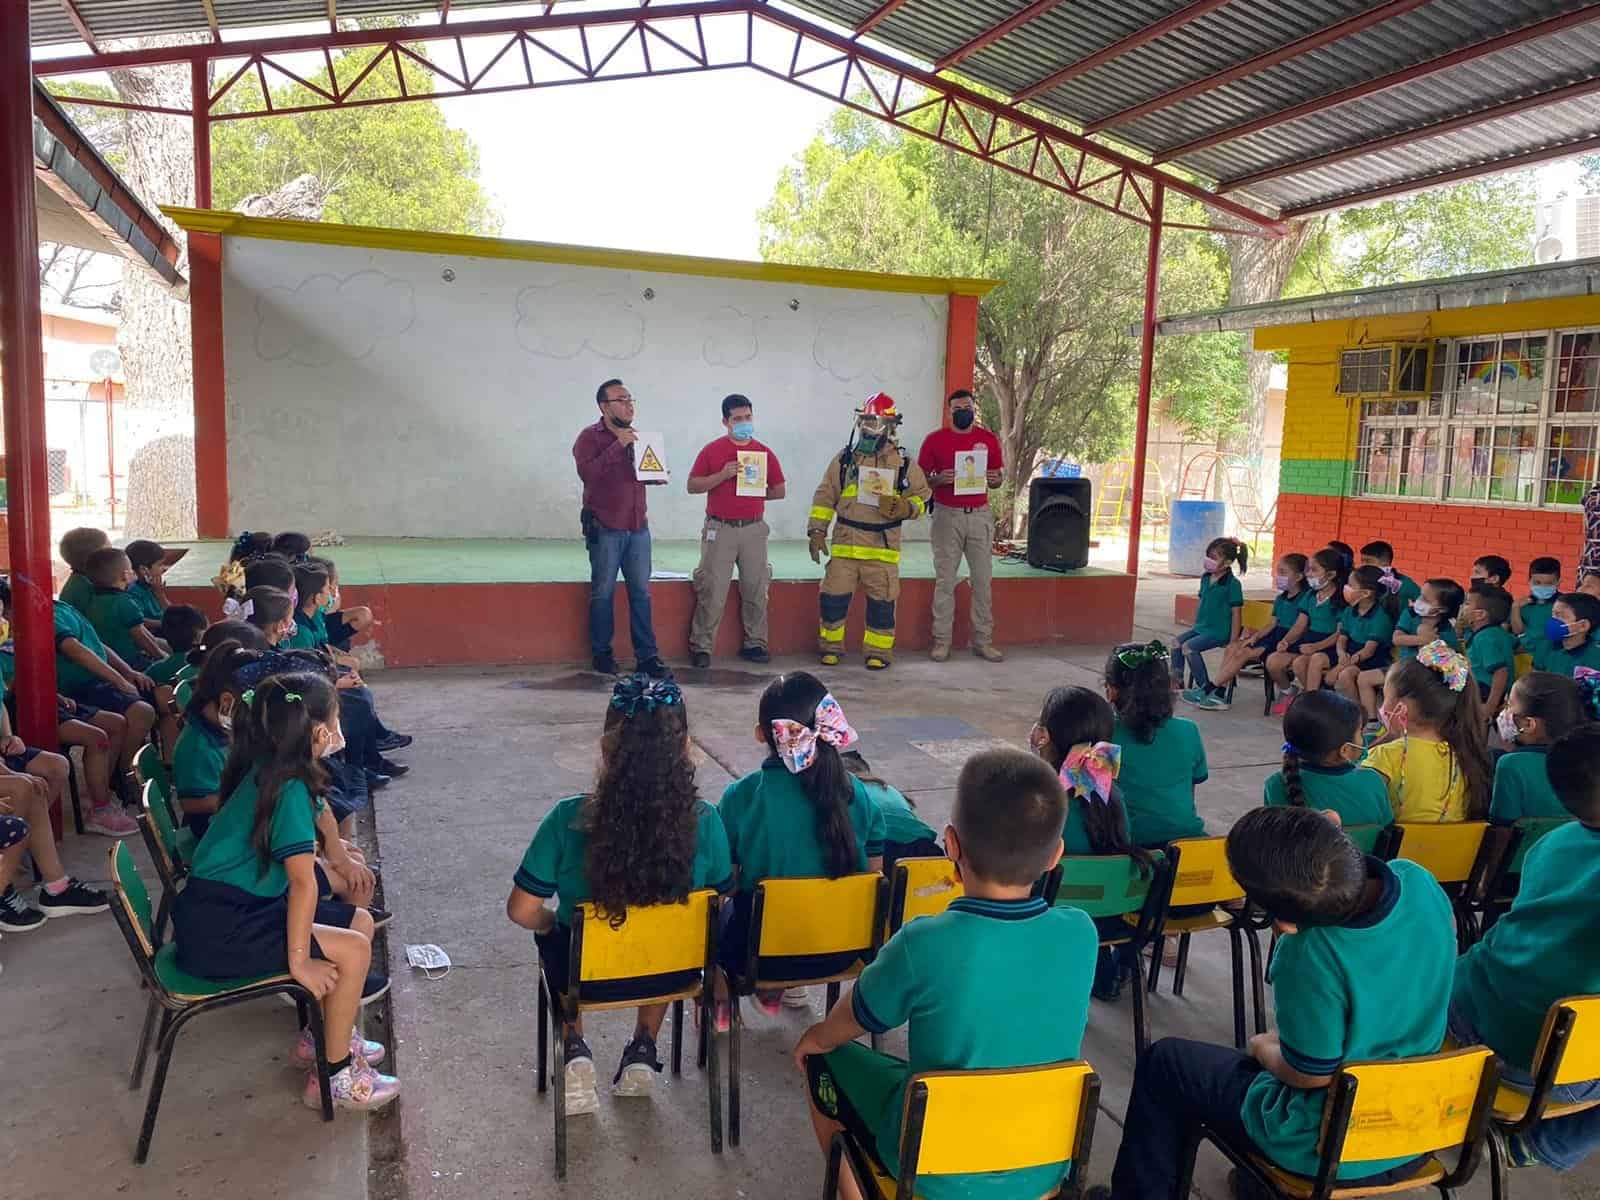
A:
(1058, 523)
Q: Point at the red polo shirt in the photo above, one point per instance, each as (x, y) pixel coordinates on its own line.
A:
(610, 490)
(724, 501)
(938, 453)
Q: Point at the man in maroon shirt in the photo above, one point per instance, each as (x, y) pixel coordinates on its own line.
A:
(734, 532)
(963, 523)
(615, 530)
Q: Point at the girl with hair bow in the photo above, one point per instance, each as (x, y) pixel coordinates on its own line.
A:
(1436, 760)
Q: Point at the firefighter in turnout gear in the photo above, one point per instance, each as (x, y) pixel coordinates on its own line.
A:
(867, 492)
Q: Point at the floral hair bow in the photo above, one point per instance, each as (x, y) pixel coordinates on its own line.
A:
(797, 744)
(230, 578)
(1137, 656)
(252, 674)
(1090, 767)
(640, 693)
(1389, 581)
(1451, 666)
(238, 610)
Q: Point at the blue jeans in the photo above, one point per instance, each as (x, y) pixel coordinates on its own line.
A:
(1562, 1143)
(628, 551)
(1191, 642)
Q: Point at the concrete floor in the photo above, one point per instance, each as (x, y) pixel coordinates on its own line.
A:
(496, 748)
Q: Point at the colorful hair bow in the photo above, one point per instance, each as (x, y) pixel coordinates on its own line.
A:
(1137, 656)
(1453, 667)
(238, 610)
(1389, 580)
(796, 744)
(1090, 767)
(637, 693)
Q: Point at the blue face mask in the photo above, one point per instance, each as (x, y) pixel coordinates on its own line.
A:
(1556, 630)
(742, 431)
(1543, 591)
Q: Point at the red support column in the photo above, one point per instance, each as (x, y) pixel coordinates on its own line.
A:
(1147, 356)
(210, 385)
(960, 345)
(22, 383)
(200, 106)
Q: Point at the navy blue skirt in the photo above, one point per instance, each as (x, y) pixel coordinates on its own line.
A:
(225, 932)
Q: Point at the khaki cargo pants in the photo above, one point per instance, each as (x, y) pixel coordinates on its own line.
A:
(722, 546)
(961, 532)
(880, 581)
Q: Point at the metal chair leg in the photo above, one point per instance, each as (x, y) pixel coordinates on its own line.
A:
(707, 1011)
(559, 1086)
(319, 1052)
(544, 1039)
(1182, 970)
(1236, 954)
(1141, 1026)
(677, 1037)
(1158, 950)
(1499, 1165)
(833, 998)
(77, 800)
(708, 1059)
(733, 1067)
(830, 1174)
(1258, 986)
(143, 1053)
(170, 1025)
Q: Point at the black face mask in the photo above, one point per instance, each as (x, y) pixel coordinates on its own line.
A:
(962, 418)
(621, 424)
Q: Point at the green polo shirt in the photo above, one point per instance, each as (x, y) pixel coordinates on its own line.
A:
(1522, 789)
(70, 623)
(1157, 781)
(941, 977)
(900, 821)
(145, 597)
(1217, 602)
(1324, 614)
(772, 827)
(1410, 589)
(1376, 987)
(1491, 648)
(166, 671)
(1545, 948)
(1410, 623)
(198, 758)
(77, 591)
(301, 639)
(556, 859)
(115, 615)
(1359, 796)
(1075, 836)
(1565, 662)
(8, 663)
(227, 855)
(1534, 615)
(1374, 626)
(1287, 609)
(315, 624)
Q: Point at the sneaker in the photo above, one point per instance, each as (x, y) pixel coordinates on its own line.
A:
(1212, 702)
(989, 653)
(874, 663)
(700, 660)
(305, 1053)
(376, 987)
(636, 1073)
(797, 998)
(16, 914)
(606, 664)
(358, 1086)
(380, 916)
(755, 654)
(390, 768)
(75, 900)
(940, 653)
(376, 781)
(394, 741)
(110, 821)
(582, 1096)
(653, 667)
(1193, 696)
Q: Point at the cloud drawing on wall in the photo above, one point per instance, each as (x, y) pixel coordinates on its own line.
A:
(562, 320)
(854, 342)
(326, 318)
(730, 338)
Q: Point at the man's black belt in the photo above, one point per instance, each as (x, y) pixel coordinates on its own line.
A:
(734, 521)
(870, 526)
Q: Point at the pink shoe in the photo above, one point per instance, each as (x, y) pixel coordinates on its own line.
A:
(358, 1086)
(770, 1003)
(305, 1053)
(110, 821)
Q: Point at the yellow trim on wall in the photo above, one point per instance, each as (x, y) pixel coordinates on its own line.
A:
(1566, 312)
(231, 224)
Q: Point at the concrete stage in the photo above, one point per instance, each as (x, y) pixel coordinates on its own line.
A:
(484, 601)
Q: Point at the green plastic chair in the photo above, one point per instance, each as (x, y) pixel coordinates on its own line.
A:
(149, 769)
(176, 996)
(1114, 886)
(183, 692)
(169, 851)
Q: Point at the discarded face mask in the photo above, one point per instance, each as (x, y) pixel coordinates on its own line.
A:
(428, 959)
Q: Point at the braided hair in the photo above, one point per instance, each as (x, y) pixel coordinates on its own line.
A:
(1315, 726)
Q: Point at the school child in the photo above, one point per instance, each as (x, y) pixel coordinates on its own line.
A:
(310, 614)
(346, 623)
(1530, 614)
(1366, 633)
(1571, 634)
(1216, 622)
(115, 614)
(293, 546)
(45, 770)
(271, 611)
(1163, 757)
(250, 545)
(181, 627)
(1436, 763)
(1545, 948)
(1491, 651)
(89, 673)
(906, 835)
(202, 749)
(1347, 556)
(1381, 555)
(941, 975)
(251, 907)
(76, 546)
(1430, 617)
(25, 825)
(801, 815)
(1289, 623)
(1289, 664)
(1589, 585)
(1322, 753)
(270, 570)
(149, 562)
(1362, 971)
(1491, 568)
(1543, 708)
(641, 837)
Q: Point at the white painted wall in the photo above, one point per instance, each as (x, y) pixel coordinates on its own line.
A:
(368, 394)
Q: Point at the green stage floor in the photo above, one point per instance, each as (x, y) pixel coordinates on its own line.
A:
(373, 561)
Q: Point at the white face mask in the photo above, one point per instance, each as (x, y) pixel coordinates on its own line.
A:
(1317, 581)
(1506, 723)
(429, 958)
(334, 744)
(225, 719)
(1421, 607)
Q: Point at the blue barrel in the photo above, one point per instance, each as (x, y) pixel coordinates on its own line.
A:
(1195, 524)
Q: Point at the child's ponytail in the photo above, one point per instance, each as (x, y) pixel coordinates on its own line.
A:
(1230, 552)
(1144, 688)
(1384, 586)
(1439, 683)
(1315, 726)
(805, 728)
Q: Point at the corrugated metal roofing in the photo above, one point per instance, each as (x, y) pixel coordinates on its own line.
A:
(1188, 53)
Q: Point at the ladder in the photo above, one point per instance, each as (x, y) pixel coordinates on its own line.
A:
(1111, 498)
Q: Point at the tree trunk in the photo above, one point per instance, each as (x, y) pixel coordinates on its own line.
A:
(1258, 269)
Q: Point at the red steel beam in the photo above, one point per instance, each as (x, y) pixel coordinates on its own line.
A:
(992, 35)
(1455, 175)
(1133, 41)
(78, 23)
(1271, 58)
(1421, 133)
(1147, 359)
(876, 15)
(1504, 41)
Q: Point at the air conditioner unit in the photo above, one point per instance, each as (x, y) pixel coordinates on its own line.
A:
(1389, 369)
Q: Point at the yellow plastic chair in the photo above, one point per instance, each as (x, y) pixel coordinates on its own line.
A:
(660, 954)
(1449, 851)
(1568, 1052)
(922, 887)
(1399, 1108)
(840, 919)
(1200, 875)
(964, 1122)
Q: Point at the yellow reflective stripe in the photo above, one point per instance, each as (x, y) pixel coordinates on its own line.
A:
(832, 635)
(917, 506)
(869, 553)
(878, 641)
(849, 492)
(822, 514)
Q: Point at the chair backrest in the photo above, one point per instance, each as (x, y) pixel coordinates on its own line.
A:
(1106, 885)
(149, 768)
(1379, 840)
(132, 904)
(183, 694)
(656, 939)
(160, 818)
(1578, 1018)
(1201, 873)
(923, 887)
(1530, 830)
(963, 1122)
(1408, 1107)
(1446, 849)
(815, 917)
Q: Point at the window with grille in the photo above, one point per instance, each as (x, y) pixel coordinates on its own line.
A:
(1505, 419)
